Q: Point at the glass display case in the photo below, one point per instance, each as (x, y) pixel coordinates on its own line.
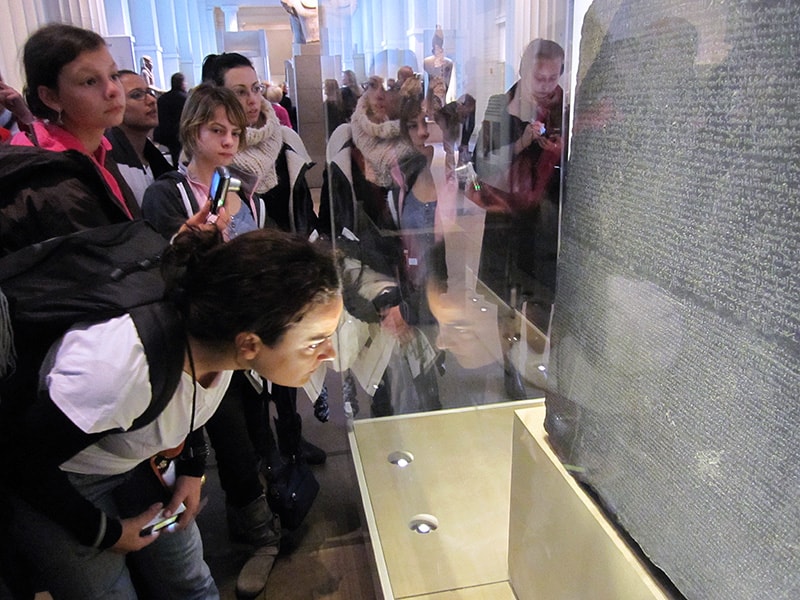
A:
(442, 192)
(569, 234)
(641, 154)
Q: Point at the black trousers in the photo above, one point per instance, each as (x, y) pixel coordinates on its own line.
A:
(241, 434)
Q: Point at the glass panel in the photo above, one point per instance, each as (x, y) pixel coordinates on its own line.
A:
(446, 134)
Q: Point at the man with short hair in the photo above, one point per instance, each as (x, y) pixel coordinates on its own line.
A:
(403, 73)
(170, 107)
(139, 160)
(393, 92)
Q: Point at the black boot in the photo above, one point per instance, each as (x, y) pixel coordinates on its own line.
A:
(515, 386)
(253, 523)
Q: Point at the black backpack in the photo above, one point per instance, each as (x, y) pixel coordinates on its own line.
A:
(87, 277)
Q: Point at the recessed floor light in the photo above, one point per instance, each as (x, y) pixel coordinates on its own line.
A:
(401, 458)
(423, 523)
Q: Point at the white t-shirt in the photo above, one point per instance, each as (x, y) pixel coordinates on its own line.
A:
(100, 381)
(137, 178)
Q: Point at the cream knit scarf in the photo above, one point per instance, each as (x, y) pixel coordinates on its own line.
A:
(262, 149)
(380, 143)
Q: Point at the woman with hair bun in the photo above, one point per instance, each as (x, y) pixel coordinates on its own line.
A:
(274, 153)
(276, 158)
(66, 456)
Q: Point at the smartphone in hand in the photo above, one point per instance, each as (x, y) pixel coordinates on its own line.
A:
(159, 522)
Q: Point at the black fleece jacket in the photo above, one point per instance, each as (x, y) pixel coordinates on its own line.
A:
(44, 194)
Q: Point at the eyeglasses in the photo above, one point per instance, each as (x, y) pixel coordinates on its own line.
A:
(243, 92)
(140, 94)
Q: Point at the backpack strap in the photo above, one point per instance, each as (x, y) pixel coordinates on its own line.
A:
(260, 210)
(187, 204)
(161, 331)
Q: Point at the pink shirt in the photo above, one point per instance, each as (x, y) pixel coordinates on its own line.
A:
(283, 115)
(57, 139)
(200, 189)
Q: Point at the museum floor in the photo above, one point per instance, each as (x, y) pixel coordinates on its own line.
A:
(328, 557)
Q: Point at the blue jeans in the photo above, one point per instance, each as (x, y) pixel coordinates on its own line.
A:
(171, 568)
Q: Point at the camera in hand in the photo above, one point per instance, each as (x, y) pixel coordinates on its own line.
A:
(222, 182)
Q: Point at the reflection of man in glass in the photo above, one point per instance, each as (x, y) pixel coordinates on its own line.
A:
(467, 331)
(466, 320)
(485, 337)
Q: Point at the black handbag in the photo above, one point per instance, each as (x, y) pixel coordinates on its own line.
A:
(291, 490)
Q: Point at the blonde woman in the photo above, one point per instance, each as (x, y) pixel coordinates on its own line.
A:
(211, 132)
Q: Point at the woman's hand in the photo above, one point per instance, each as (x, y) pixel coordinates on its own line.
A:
(532, 132)
(204, 219)
(130, 540)
(552, 144)
(187, 490)
(13, 101)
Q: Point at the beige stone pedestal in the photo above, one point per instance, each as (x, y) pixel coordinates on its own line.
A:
(310, 69)
(512, 524)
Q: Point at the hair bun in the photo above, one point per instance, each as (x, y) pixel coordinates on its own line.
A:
(411, 88)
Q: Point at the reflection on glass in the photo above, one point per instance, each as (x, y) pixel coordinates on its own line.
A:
(441, 191)
(467, 326)
(518, 165)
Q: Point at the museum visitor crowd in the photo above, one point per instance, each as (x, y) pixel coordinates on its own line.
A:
(258, 281)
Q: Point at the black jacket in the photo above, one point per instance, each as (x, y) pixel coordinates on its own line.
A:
(165, 202)
(170, 106)
(46, 194)
(123, 153)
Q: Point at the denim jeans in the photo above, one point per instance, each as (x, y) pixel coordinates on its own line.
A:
(170, 568)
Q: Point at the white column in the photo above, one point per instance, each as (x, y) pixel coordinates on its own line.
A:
(195, 32)
(188, 60)
(394, 22)
(231, 12)
(89, 14)
(168, 33)
(118, 17)
(209, 34)
(20, 18)
(416, 30)
(17, 22)
(147, 40)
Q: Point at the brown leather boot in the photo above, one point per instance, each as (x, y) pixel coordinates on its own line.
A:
(255, 572)
(255, 524)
